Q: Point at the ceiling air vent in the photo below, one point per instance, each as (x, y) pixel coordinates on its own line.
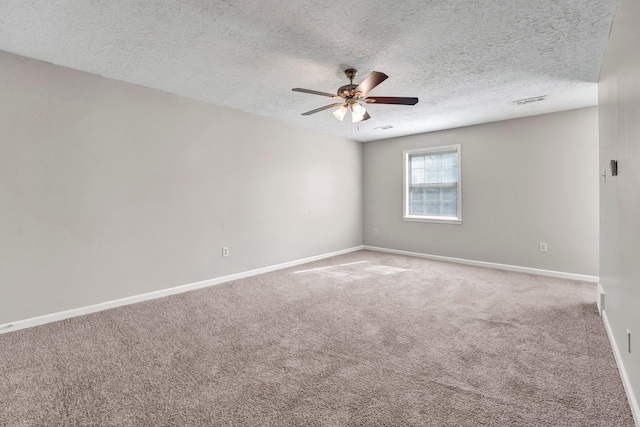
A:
(530, 100)
(383, 127)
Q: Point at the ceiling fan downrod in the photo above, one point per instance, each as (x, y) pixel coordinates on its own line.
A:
(351, 74)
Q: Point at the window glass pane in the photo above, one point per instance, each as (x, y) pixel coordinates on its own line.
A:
(449, 159)
(432, 169)
(417, 161)
(432, 161)
(417, 176)
(450, 174)
(449, 201)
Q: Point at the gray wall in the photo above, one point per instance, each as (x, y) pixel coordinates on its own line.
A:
(524, 181)
(619, 91)
(109, 190)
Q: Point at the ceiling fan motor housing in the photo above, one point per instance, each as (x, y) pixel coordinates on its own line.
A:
(347, 91)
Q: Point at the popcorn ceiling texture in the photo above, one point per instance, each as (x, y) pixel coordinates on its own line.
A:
(465, 60)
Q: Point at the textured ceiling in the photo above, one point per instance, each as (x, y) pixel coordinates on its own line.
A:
(466, 60)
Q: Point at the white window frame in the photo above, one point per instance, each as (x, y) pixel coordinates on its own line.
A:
(405, 186)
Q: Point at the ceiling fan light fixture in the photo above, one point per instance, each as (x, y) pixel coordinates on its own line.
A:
(358, 109)
(357, 113)
(356, 119)
(340, 112)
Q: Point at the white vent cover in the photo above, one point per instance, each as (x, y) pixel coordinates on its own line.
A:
(530, 100)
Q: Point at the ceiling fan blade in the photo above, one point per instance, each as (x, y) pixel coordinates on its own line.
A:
(391, 100)
(315, 92)
(365, 117)
(372, 80)
(326, 107)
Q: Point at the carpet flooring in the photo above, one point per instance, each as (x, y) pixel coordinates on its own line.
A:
(363, 339)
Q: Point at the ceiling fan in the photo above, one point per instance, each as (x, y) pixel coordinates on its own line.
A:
(353, 97)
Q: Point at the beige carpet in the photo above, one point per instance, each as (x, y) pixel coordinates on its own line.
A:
(364, 339)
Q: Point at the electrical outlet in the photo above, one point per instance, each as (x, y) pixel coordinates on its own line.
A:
(225, 251)
(375, 231)
(543, 247)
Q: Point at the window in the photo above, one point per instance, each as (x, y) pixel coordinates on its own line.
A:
(432, 184)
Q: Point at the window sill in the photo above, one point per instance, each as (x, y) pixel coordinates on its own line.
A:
(432, 219)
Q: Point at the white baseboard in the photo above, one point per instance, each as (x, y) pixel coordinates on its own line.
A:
(600, 298)
(54, 317)
(516, 268)
(631, 397)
